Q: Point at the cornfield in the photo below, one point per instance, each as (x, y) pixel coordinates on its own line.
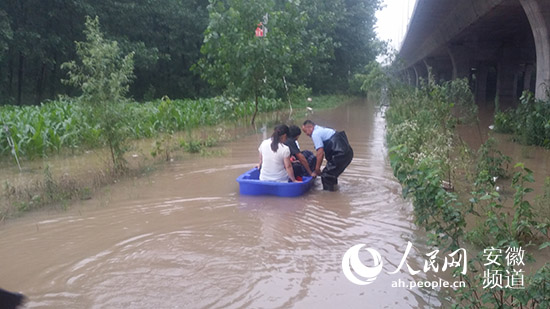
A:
(37, 131)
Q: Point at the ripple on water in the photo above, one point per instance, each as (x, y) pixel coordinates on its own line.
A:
(186, 239)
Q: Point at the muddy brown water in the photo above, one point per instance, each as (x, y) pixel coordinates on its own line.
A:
(184, 237)
(535, 158)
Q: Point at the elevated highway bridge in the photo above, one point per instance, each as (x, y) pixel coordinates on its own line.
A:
(502, 46)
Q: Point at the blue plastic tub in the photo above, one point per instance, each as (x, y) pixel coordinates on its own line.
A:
(250, 184)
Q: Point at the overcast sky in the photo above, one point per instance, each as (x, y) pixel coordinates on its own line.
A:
(393, 19)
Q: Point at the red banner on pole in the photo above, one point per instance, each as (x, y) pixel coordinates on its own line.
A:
(260, 30)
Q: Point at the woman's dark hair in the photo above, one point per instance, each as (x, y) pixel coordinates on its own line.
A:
(279, 131)
(294, 131)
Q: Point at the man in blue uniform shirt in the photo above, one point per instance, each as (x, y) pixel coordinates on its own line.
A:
(333, 146)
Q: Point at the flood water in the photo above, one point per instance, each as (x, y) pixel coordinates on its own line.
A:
(535, 158)
(183, 237)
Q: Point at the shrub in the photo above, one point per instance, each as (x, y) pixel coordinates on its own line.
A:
(104, 76)
(529, 122)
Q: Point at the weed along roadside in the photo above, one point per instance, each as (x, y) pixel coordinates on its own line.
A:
(457, 192)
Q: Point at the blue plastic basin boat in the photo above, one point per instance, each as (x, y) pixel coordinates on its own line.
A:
(250, 184)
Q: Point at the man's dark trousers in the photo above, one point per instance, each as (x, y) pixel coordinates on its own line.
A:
(339, 154)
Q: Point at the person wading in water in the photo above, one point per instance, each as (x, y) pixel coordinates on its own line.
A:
(333, 146)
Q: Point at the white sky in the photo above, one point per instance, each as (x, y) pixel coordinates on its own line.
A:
(393, 19)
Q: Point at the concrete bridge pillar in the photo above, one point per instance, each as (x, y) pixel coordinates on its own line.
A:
(538, 13)
(407, 76)
(411, 77)
(431, 68)
(460, 59)
(507, 71)
(416, 77)
(446, 71)
(481, 82)
(529, 69)
(422, 72)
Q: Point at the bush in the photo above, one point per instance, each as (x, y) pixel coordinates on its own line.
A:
(504, 122)
(529, 122)
(420, 134)
(104, 76)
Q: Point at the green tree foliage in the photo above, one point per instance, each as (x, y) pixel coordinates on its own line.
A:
(317, 44)
(104, 76)
(356, 41)
(424, 150)
(329, 41)
(43, 36)
(241, 64)
(165, 34)
(529, 122)
(6, 34)
(320, 44)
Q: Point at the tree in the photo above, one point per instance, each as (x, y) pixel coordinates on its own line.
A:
(240, 64)
(104, 76)
(357, 44)
(39, 35)
(166, 36)
(316, 43)
(6, 34)
(43, 36)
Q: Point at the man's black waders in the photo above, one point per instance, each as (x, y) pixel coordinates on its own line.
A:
(339, 154)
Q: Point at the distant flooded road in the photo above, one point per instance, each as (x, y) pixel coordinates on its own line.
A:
(184, 237)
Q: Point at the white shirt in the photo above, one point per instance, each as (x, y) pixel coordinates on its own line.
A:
(273, 165)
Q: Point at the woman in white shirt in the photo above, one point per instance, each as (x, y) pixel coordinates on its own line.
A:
(275, 162)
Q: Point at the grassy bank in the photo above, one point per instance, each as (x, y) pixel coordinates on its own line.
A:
(63, 157)
(455, 194)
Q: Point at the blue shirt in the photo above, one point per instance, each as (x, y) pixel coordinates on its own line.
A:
(321, 134)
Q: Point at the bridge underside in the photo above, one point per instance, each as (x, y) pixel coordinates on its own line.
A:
(502, 46)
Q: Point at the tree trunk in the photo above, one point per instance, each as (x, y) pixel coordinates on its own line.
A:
(53, 77)
(255, 108)
(113, 156)
(10, 78)
(40, 83)
(20, 78)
